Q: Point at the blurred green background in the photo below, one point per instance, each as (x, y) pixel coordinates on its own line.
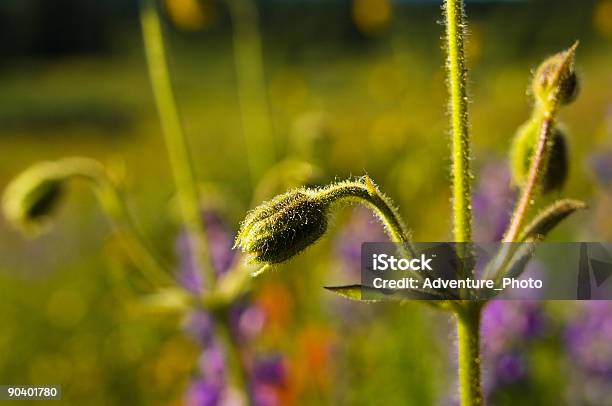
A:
(354, 87)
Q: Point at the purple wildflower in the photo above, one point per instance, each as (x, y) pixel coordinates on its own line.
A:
(203, 393)
(201, 326)
(588, 339)
(271, 370)
(211, 387)
(249, 322)
(601, 165)
(510, 368)
(492, 202)
(506, 324)
(269, 377)
(363, 227)
(220, 242)
(507, 327)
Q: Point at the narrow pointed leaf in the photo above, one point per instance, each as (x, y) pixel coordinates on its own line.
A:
(355, 292)
(352, 292)
(166, 301)
(550, 218)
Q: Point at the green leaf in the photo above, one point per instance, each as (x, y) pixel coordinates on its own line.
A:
(352, 292)
(549, 218)
(166, 301)
(355, 292)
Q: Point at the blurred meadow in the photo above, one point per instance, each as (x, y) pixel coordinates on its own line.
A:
(350, 86)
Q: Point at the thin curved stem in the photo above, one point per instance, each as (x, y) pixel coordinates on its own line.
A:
(176, 142)
(368, 193)
(536, 171)
(461, 155)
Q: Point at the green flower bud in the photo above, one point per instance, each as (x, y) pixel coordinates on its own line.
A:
(522, 150)
(555, 79)
(558, 163)
(29, 200)
(279, 229)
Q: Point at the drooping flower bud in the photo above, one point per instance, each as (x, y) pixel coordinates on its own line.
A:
(555, 79)
(29, 200)
(279, 229)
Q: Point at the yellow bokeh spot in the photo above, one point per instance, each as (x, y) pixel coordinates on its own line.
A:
(388, 133)
(191, 15)
(387, 82)
(289, 90)
(602, 19)
(65, 308)
(371, 16)
(473, 47)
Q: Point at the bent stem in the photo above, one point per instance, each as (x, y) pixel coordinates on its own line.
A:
(367, 193)
(468, 335)
(176, 142)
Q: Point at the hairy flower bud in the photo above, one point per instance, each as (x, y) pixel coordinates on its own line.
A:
(522, 151)
(558, 163)
(284, 226)
(556, 78)
(29, 200)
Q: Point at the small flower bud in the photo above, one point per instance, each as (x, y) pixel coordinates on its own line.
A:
(556, 80)
(558, 163)
(279, 229)
(522, 151)
(29, 200)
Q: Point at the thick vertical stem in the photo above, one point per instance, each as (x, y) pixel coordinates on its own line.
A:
(176, 142)
(468, 333)
(457, 83)
(468, 315)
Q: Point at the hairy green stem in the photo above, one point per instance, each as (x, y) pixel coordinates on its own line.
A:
(468, 315)
(176, 142)
(369, 194)
(252, 95)
(461, 155)
(468, 335)
(536, 170)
